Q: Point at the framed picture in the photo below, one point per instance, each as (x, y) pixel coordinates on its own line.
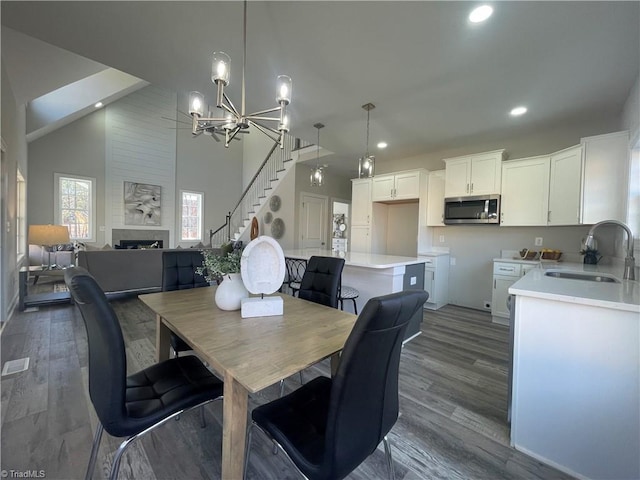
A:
(142, 204)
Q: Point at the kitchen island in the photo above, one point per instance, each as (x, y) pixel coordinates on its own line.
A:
(375, 275)
(576, 371)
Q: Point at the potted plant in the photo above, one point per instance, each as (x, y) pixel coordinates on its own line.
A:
(224, 269)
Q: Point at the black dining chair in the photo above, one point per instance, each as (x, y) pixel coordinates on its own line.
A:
(320, 284)
(321, 280)
(179, 273)
(329, 426)
(131, 406)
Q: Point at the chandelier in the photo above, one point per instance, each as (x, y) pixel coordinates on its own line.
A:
(366, 164)
(317, 174)
(232, 121)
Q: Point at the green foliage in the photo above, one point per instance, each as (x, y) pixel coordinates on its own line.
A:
(215, 266)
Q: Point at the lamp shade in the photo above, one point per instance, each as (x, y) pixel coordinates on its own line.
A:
(48, 234)
(196, 103)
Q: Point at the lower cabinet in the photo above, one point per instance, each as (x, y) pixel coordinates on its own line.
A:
(505, 274)
(436, 280)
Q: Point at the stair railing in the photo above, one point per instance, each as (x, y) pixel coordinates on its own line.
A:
(258, 189)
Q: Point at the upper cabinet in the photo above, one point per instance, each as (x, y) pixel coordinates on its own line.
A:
(564, 187)
(435, 199)
(525, 192)
(478, 174)
(580, 185)
(605, 177)
(398, 186)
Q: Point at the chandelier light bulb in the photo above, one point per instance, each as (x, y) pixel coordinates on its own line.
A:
(220, 68)
(284, 89)
(196, 103)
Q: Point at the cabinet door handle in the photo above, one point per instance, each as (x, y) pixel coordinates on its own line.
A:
(472, 187)
(494, 283)
(467, 190)
(549, 216)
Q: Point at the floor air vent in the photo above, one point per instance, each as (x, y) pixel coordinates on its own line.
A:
(15, 366)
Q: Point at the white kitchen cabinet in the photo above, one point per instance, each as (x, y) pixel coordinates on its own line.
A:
(361, 201)
(564, 186)
(435, 199)
(397, 186)
(472, 175)
(605, 177)
(505, 274)
(525, 192)
(436, 279)
(360, 239)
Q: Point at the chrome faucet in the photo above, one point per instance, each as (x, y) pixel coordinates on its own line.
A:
(629, 261)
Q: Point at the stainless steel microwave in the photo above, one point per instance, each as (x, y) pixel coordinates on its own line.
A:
(478, 209)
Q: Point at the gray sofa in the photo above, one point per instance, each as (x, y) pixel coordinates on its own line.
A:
(124, 271)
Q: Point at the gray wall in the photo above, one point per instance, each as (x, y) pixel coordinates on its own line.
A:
(79, 148)
(13, 138)
(76, 149)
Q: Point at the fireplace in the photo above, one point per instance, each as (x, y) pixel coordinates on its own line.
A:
(129, 244)
(131, 238)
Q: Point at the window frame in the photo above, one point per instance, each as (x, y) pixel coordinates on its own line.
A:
(21, 215)
(92, 213)
(201, 216)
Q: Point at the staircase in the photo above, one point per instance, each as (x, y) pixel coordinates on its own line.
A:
(272, 170)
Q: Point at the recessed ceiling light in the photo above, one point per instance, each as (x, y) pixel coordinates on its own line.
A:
(382, 145)
(480, 14)
(98, 105)
(516, 112)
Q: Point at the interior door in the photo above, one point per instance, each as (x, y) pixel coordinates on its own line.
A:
(313, 221)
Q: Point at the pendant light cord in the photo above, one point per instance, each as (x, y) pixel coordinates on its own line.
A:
(367, 153)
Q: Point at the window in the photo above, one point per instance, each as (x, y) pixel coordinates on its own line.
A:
(21, 215)
(191, 218)
(75, 206)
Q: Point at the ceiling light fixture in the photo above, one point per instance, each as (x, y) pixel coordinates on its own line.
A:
(480, 14)
(366, 164)
(382, 145)
(98, 104)
(516, 112)
(317, 174)
(232, 121)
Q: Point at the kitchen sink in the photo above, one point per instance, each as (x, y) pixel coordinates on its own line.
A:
(591, 277)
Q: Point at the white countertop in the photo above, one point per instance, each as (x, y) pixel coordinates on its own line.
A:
(619, 296)
(354, 259)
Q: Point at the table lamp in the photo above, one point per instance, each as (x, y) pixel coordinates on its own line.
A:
(47, 236)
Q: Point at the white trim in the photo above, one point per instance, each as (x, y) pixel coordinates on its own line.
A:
(200, 226)
(92, 213)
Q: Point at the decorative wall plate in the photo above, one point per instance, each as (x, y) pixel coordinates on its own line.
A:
(268, 217)
(274, 203)
(277, 228)
(262, 266)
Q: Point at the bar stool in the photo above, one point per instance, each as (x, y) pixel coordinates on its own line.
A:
(348, 293)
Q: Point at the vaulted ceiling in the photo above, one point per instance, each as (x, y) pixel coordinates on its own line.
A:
(436, 79)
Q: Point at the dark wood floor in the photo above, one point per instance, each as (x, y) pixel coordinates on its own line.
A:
(453, 399)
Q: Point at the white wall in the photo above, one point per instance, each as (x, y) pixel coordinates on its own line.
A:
(141, 148)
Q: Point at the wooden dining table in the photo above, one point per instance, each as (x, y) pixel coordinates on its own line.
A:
(249, 354)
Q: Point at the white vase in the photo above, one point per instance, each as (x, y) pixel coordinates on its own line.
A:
(230, 292)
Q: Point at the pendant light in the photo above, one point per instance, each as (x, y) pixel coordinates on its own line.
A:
(317, 175)
(366, 164)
